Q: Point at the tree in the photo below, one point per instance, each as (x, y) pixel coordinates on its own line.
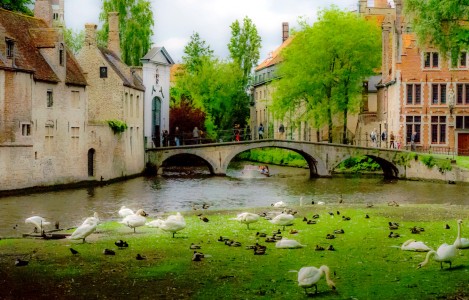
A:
(135, 27)
(441, 23)
(17, 5)
(324, 66)
(195, 52)
(74, 39)
(244, 46)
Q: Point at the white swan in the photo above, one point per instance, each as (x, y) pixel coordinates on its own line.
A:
(283, 220)
(155, 223)
(288, 244)
(445, 253)
(173, 223)
(413, 245)
(85, 229)
(309, 277)
(247, 218)
(461, 243)
(125, 211)
(136, 220)
(279, 204)
(38, 222)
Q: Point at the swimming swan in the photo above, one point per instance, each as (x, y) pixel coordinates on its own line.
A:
(413, 245)
(124, 212)
(309, 277)
(85, 229)
(247, 218)
(288, 244)
(136, 220)
(461, 243)
(173, 223)
(38, 222)
(445, 253)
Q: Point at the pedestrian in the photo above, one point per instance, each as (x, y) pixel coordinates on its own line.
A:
(413, 140)
(373, 137)
(165, 138)
(384, 138)
(391, 140)
(261, 131)
(177, 136)
(281, 131)
(195, 135)
(248, 133)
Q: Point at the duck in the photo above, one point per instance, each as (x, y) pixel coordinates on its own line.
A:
(413, 245)
(247, 218)
(38, 222)
(125, 211)
(136, 220)
(121, 244)
(445, 253)
(461, 243)
(283, 220)
(279, 204)
(288, 244)
(86, 228)
(173, 223)
(310, 276)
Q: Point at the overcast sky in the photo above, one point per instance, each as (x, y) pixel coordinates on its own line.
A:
(177, 20)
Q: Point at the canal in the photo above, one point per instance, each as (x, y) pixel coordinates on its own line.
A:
(241, 188)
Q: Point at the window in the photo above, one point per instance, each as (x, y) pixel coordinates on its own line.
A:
(61, 55)
(414, 92)
(131, 105)
(438, 129)
(75, 135)
(102, 72)
(75, 99)
(126, 105)
(462, 122)
(55, 16)
(462, 93)
(413, 123)
(10, 48)
(25, 129)
(438, 93)
(430, 60)
(50, 98)
(49, 139)
(137, 107)
(463, 59)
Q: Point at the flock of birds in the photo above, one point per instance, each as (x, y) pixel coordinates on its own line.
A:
(308, 277)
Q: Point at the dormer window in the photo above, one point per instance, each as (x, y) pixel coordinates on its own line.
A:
(61, 54)
(10, 48)
(103, 72)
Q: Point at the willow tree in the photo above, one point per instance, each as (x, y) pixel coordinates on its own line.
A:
(441, 23)
(135, 27)
(324, 66)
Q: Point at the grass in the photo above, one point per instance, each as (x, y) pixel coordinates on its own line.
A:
(367, 264)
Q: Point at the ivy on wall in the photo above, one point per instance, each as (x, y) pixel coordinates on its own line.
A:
(117, 126)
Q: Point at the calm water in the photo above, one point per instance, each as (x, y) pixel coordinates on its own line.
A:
(237, 190)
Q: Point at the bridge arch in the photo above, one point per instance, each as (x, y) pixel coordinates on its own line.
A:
(173, 159)
(388, 168)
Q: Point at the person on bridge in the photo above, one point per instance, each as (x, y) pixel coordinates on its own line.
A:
(261, 131)
(391, 140)
(195, 135)
(177, 136)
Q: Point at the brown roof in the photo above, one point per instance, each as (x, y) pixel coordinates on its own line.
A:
(275, 58)
(129, 78)
(30, 34)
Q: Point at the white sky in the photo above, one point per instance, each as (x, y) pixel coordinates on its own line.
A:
(177, 20)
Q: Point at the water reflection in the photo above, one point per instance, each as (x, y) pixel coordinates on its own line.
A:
(237, 190)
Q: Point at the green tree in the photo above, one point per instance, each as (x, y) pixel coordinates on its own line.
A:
(17, 5)
(441, 23)
(324, 67)
(195, 52)
(244, 46)
(135, 27)
(74, 39)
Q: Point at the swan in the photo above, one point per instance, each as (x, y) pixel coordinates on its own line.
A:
(413, 245)
(445, 253)
(173, 223)
(288, 244)
(38, 223)
(461, 243)
(85, 229)
(155, 223)
(279, 204)
(136, 220)
(125, 211)
(283, 220)
(309, 277)
(247, 218)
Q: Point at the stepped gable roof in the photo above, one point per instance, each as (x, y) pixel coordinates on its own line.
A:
(30, 34)
(275, 58)
(129, 77)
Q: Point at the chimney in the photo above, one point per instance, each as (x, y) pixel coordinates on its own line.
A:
(113, 40)
(285, 31)
(90, 34)
(43, 10)
(362, 4)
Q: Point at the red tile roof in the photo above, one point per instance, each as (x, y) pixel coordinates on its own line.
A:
(275, 58)
(30, 34)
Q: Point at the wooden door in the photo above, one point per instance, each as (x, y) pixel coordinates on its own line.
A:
(463, 144)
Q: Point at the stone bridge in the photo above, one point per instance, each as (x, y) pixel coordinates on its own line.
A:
(322, 158)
